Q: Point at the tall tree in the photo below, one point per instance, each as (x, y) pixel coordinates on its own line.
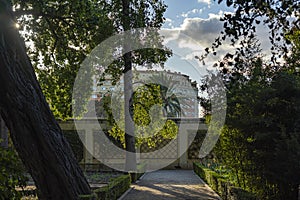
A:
(136, 14)
(36, 135)
(130, 164)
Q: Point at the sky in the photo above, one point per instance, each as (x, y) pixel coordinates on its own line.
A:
(189, 28)
(179, 10)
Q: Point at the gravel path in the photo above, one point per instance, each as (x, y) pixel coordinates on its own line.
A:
(170, 184)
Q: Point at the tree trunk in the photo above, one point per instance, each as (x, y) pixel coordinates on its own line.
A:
(4, 134)
(36, 135)
(130, 164)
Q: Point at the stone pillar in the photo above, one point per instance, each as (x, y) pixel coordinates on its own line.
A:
(182, 148)
(89, 141)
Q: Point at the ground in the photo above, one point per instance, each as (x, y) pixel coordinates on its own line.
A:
(170, 184)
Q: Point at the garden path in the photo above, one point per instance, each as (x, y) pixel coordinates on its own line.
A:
(170, 184)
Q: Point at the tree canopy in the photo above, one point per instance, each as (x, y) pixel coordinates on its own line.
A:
(241, 25)
(59, 37)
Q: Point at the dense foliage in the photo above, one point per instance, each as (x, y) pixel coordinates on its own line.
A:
(218, 183)
(260, 143)
(11, 176)
(147, 112)
(59, 37)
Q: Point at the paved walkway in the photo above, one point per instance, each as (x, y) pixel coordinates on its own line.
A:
(170, 184)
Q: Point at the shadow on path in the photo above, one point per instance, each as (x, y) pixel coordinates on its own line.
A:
(171, 184)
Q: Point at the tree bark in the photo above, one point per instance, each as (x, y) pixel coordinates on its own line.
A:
(130, 164)
(36, 135)
(4, 134)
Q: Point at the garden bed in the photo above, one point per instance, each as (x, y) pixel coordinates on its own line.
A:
(112, 190)
(107, 184)
(103, 184)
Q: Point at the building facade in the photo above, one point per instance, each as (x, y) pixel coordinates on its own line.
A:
(179, 85)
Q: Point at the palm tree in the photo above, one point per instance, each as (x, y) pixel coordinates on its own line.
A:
(171, 103)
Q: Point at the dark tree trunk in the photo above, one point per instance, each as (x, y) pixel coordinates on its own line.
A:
(3, 133)
(130, 164)
(36, 135)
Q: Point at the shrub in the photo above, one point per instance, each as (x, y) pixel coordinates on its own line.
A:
(88, 197)
(115, 188)
(219, 184)
(12, 175)
(236, 193)
(140, 171)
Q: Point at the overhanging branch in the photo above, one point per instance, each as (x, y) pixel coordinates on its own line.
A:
(19, 13)
(37, 13)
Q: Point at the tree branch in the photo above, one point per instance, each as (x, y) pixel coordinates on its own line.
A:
(37, 13)
(19, 13)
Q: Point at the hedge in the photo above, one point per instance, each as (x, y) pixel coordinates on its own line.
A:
(141, 168)
(225, 189)
(115, 188)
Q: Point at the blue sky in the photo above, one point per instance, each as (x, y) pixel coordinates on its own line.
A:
(178, 10)
(190, 27)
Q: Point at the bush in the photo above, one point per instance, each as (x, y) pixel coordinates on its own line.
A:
(88, 197)
(115, 188)
(141, 167)
(236, 193)
(223, 186)
(219, 184)
(11, 176)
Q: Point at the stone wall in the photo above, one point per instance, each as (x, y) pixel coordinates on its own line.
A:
(192, 132)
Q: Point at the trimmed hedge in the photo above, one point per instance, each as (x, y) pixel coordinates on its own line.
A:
(88, 197)
(115, 188)
(225, 189)
(141, 167)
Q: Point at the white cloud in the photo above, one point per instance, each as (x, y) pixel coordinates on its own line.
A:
(169, 35)
(193, 36)
(205, 1)
(194, 11)
(169, 22)
(202, 30)
(220, 14)
(196, 34)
